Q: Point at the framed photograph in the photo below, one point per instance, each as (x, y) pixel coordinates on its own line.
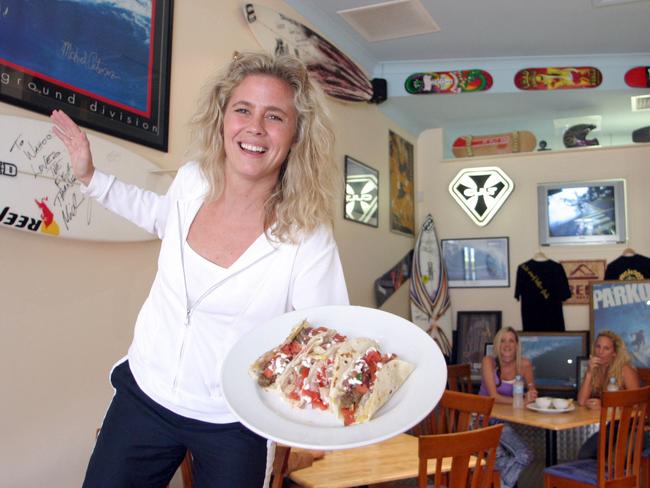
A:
(554, 356)
(402, 204)
(477, 262)
(361, 193)
(106, 64)
(474, 330)
(622, 307)
(582, 363)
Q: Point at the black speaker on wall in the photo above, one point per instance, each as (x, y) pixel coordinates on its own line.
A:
(378, 90)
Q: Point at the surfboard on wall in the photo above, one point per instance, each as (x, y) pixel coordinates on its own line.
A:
(428, 290)
(337, 74)
(39, 194)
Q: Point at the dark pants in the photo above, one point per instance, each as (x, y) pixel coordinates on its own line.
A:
(141, 444)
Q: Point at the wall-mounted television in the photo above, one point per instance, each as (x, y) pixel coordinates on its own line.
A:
(582, 212)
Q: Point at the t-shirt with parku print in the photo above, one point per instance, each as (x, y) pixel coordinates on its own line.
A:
(541, 287)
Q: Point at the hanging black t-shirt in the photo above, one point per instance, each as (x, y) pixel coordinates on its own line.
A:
(635, 267)
(541, 287)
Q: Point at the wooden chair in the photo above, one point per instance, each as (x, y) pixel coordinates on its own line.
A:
(456, 412)
(459, 377)
(280, 465)
(622, 416)
(460, 447)
(644, 376)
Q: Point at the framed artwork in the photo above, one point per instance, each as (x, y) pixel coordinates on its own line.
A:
(582, 364)
(475, 329)
(554, 356)
(361, 193)
(477, 262)
(402, 205)
(581, 273)
(66, 55)
(622, 307)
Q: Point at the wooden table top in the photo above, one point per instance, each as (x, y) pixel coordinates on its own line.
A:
(579, 417)
(390, 460)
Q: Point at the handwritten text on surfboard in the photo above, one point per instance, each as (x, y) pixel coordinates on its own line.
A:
(48, 162)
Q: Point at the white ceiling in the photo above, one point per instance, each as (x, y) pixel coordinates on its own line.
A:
(503, 36)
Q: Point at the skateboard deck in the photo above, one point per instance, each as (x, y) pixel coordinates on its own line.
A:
(576, 136)
(565, 78)
(509, 142)
(638, 77)
(471, 80)
(641, 135)
(337, 74)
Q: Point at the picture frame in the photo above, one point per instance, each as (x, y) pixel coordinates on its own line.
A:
(361, 193)
(477, 262)
(554, 356)
(621, 306)
(402, 200)
(474, 330)
(582, 363)
(71, 60)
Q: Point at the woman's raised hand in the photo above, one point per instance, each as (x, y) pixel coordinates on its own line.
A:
(76, 143)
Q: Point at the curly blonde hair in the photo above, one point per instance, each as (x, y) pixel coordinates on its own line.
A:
(600, 377)
(302, 197)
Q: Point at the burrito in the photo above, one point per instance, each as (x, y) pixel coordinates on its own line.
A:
(272, 364)
(364, 379)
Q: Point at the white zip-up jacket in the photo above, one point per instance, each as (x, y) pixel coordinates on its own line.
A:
(175, 340)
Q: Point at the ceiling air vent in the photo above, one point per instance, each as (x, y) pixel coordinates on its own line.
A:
(640, 103)
(390, 20)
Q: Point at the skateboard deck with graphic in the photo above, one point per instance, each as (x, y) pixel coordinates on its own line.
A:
(564, 78)
(641, 135)
(471, 80)
(638, 77)
(509, 142)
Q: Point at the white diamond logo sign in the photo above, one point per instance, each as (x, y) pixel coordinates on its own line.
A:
(480, 192)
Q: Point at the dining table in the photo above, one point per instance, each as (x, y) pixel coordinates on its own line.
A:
(552, 422)
(390, 460)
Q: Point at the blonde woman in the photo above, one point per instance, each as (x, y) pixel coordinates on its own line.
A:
(498, 374)
(246, 236)
(609, 359)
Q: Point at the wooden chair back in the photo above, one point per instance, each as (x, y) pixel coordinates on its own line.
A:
(461, 447)
(280, 465)
(622, 417)
(456, 412)
(459, 378)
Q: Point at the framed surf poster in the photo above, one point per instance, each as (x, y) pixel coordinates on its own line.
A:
(475, 329)
(402, 206)
(106, 64)
(477, 262)
(622, 307)
(361, 193)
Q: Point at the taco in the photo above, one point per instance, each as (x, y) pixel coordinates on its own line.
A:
(307, 379)
(269, 366)
(364, 380)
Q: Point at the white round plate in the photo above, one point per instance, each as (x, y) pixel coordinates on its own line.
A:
(268, 415)
(532, 406)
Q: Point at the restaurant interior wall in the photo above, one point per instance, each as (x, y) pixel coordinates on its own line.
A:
(69, 306)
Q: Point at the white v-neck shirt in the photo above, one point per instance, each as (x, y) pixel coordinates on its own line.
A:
(195, 312)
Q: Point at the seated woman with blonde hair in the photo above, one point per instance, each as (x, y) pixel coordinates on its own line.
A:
(498, 374)
(609, 363)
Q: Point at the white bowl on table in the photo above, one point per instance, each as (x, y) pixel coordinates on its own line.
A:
(561, 403)
(543, 402)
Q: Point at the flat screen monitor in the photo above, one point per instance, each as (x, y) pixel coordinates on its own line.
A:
(554, 356)
(582, 212)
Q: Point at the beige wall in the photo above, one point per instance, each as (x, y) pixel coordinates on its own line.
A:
(68, 307)
(517, 219)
